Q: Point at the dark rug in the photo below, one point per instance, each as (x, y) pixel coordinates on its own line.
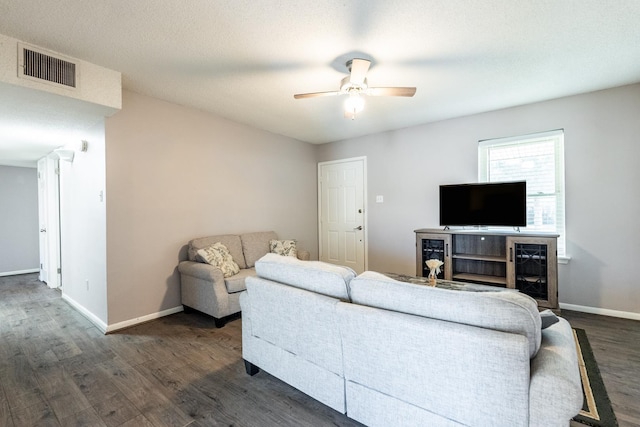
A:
(596, 407)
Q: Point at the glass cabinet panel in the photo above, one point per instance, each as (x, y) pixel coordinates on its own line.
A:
(432, 249)
(531, 269)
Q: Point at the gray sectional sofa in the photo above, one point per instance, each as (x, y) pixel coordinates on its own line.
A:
(392, 353)
(204, 288)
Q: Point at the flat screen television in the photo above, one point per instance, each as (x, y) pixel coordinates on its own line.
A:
(484, 204)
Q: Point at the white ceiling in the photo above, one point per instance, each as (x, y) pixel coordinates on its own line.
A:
(244, 59)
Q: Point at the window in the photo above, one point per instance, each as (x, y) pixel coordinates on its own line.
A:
(539, 160)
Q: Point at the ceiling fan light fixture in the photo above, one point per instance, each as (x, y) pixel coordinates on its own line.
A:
(355, 85)
(354, 104)
(347, 86)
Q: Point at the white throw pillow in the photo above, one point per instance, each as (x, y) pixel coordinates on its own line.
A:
(283, 247)
(219, 256)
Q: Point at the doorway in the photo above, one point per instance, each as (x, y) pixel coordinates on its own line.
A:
(342, 231)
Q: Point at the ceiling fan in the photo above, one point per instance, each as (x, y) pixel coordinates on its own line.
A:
(355, 85)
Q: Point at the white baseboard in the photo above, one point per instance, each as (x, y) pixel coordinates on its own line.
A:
(138, 320)
(86, 313)
(601, 311)
(105, 328)
(15, 273)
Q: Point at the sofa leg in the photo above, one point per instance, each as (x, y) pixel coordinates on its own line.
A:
(250, 368)
(219, 322)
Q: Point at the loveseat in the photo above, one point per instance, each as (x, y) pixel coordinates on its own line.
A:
(205, 288)
(390, 353)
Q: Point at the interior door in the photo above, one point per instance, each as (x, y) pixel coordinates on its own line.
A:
(42, 219)
(53, 221)
(341, 213)
(49, 220)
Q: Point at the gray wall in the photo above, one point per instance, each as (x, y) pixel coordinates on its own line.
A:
(602, 148)
(176, 173)
(19, 239)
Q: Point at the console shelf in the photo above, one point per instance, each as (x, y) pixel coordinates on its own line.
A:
(523, 261)
(480, 278)
(479, 257)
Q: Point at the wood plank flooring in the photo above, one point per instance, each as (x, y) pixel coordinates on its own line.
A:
(57, 369)
(616, 346)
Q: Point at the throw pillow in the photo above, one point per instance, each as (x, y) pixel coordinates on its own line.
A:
(283, 247)
(219, 256)
(548, 318)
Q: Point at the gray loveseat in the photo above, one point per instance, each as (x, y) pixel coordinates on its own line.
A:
(392, 353)
(204, 288)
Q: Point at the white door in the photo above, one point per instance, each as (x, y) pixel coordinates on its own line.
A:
(341, 213)
(53, 221)
(49, 219)
(42, 219)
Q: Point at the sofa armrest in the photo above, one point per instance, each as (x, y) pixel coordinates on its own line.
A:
(555, 391)
(202, 287)
(201, 271)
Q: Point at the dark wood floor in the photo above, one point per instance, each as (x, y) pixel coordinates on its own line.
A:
(57, 369)
(616, 347)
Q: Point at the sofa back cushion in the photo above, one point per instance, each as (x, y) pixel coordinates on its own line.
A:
(459, 374)
(256, 245)
(506, 311)
(231, 241)
(316, 276)
(300, 322)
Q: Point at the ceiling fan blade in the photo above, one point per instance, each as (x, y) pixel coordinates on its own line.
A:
(391, 91)
(315, 94)
(359, 68)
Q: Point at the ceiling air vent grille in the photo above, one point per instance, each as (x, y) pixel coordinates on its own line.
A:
(41, 66)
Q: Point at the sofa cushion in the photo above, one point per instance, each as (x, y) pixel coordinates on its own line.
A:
(283, 247)
(548, 318)
(231, 241)
(505, 311)
(255, 245)
(236, 283)
(218, 256)
(320, 277)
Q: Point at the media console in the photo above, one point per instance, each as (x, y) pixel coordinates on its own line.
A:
(517, 260)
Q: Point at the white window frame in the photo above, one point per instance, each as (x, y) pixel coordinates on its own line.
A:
(557, 136)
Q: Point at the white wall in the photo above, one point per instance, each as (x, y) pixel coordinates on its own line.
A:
(602, 148)
(82, 228)
(176, 173)
(19, 246)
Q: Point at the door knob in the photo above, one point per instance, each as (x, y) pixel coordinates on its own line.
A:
(358, 228)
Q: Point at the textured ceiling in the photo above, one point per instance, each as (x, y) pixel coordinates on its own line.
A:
(244, 59)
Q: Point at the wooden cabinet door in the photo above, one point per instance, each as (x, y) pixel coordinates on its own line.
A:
(532, 268)
(433, 246)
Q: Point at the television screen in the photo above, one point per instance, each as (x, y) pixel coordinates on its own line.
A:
(485, 204)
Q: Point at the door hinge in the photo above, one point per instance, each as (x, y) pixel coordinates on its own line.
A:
(57, 171)
(59, 270)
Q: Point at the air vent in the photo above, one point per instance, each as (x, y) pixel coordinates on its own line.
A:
(38, 65)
